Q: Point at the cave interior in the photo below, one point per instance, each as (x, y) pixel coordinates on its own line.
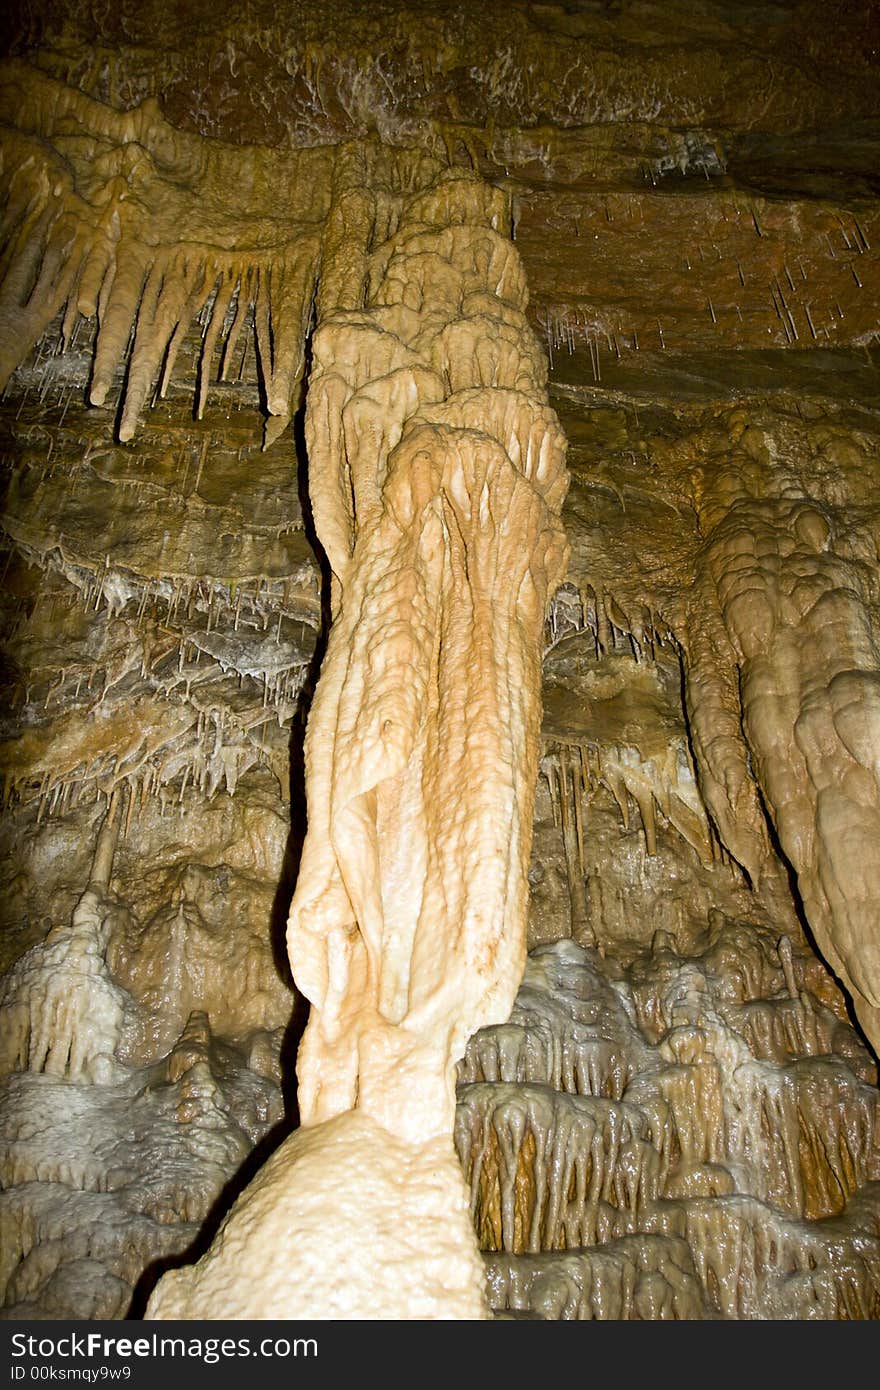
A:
(492, 392)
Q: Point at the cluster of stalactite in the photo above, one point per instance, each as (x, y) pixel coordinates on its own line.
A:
(775, 622)
(637, 1149)
(119, 216)
(657, 786)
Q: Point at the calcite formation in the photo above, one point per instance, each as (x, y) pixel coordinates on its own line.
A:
(620, 1101)
(330, 1187)
(795, 612)
(372, 379)
(436, 473)
(120, 216)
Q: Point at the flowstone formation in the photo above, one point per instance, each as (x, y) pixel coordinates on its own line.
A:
(671, 1137)
(436, 475)
(283, 453)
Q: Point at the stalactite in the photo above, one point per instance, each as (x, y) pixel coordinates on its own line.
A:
(140, 234)
(547, 1170)
(752, 1187)
(633, 1278)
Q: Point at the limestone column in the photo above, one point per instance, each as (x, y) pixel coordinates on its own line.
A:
(436, 474)
(436, 471)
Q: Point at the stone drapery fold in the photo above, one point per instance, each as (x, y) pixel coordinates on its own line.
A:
(436, 477)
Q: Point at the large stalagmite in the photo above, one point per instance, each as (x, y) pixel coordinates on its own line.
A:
(436, 475)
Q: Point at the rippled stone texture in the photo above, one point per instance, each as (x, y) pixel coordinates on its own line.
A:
(436, 476)
(688, 1177)
(436, 470)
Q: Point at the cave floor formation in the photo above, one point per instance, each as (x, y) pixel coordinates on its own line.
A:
(727, 1170)
(680, 1118)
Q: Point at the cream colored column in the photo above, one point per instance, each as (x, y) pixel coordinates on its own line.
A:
(436, 476)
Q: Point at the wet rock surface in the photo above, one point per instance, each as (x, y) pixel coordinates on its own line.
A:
(679, 1119)
(621, 1170)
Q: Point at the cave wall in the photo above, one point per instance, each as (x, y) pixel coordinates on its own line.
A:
(679, 1118)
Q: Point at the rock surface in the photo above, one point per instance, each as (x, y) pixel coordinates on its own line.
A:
(679, 1118)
